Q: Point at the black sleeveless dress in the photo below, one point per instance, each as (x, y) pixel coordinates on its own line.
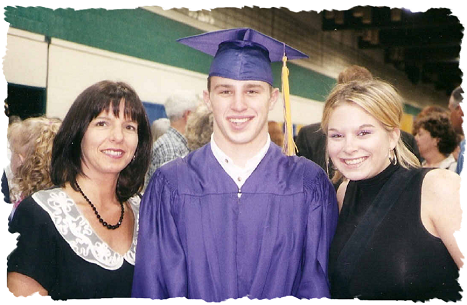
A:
(398, 259)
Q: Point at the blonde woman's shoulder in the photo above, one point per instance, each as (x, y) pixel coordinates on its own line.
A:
(441, 183)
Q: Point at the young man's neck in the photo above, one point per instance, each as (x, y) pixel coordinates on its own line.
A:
(241, 153)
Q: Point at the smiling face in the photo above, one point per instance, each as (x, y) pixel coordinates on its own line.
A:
(240, 110)
(108, 144)
(358, 144)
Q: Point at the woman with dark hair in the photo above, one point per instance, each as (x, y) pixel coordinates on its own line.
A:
(436, 140)
(77, 240)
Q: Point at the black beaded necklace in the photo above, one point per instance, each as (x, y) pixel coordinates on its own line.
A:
(104, 223)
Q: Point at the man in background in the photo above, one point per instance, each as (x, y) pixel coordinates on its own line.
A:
(172, 144)
(456, 120)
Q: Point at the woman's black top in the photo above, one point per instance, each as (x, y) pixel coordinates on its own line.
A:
(399, 259)
(58, 248)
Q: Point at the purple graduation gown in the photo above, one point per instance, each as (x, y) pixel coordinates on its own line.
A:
(200, 239)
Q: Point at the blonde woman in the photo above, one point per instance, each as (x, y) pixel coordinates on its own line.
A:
(31, 144)
(394, 238)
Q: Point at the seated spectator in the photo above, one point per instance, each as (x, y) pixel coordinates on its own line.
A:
(159, 127)
(436, 140)
(31, 144)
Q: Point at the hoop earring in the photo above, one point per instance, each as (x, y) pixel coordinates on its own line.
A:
(393, 158)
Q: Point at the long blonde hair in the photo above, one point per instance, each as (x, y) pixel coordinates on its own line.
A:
(380, 100)
(32, 137)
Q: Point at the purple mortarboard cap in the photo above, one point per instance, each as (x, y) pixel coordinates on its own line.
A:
(241, 54)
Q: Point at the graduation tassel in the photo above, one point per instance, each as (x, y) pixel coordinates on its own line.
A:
(289, 148)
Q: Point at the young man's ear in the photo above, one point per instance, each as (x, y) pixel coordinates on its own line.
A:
(274, 98)
(207, 99)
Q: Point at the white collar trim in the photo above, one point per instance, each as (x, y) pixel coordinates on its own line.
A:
(78, 233)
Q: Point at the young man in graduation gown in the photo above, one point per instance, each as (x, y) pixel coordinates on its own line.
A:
(236, 217)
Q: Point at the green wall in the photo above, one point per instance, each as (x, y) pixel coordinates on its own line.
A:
(143, 34)
(146, 35)
(409, 109)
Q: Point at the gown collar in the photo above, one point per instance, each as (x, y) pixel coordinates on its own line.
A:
(237, 173)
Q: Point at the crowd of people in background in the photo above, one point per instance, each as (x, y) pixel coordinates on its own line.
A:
(204, 204)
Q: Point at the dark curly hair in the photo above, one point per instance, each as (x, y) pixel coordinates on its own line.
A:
(439, 126)
(66, 152)
(428, 110)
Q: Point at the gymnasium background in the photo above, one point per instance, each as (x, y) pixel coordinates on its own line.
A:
(53, 55)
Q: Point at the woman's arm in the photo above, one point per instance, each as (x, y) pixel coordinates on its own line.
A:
(23, 285)
(441, 210)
